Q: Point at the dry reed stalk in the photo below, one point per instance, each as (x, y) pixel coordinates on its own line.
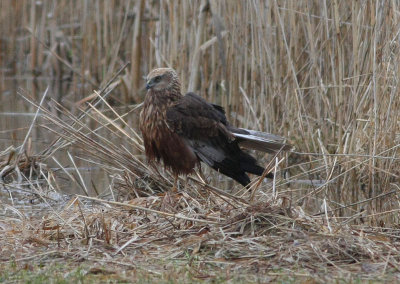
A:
(137, 50)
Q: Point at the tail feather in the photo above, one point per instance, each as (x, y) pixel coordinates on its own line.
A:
(260, 141)
(249, 164)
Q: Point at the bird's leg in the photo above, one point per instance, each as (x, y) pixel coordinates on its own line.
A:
(175, 188)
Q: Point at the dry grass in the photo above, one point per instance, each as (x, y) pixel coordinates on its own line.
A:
(323, 74)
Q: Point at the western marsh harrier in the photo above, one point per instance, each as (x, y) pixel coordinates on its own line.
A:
(186, 130)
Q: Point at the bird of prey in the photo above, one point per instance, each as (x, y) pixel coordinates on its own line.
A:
(184, 130)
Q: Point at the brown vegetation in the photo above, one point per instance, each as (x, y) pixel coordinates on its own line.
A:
(322, 73)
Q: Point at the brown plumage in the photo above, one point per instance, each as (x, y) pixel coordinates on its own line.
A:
(186, 130)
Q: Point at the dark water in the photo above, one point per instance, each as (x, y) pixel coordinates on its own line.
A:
(16, 118)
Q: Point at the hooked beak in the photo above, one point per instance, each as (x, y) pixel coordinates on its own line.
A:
(149, 84)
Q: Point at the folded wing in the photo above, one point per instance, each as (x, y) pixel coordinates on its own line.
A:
(205, 129)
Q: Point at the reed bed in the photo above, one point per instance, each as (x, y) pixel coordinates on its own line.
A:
(323, 74)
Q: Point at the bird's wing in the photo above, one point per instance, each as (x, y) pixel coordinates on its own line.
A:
(194, 118)
(204, 128)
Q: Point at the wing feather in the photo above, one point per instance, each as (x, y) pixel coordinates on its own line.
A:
(205, 129)
(192, 117)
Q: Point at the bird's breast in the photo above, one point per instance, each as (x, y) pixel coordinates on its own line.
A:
(162, 143)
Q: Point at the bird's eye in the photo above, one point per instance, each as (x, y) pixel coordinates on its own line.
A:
(157, 79)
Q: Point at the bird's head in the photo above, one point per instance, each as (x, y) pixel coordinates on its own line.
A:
(163, 79)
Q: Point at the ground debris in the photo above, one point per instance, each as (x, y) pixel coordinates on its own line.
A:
(257, 237)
